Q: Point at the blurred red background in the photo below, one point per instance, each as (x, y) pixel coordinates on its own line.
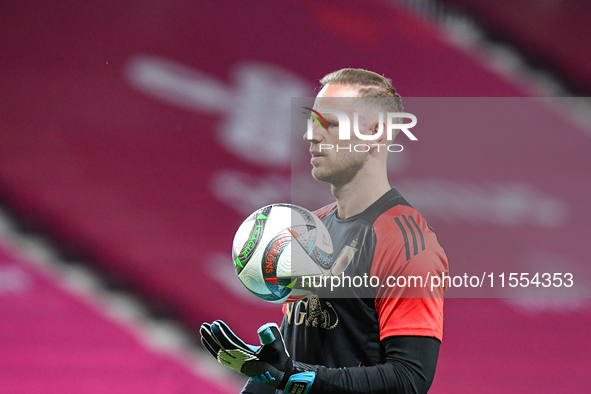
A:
(123, 137)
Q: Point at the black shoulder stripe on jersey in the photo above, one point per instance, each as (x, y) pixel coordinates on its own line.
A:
(403, 231)
(412, 234)
(419, 231)
(389, 200)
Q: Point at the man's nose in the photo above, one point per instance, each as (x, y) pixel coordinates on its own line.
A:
(313, 134)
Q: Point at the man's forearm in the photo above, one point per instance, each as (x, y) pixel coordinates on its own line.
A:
(409, 369)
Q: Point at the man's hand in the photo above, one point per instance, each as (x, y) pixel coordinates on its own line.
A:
(269, 363)
(266, 363)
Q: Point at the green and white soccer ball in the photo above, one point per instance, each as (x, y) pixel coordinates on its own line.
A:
(278, 246)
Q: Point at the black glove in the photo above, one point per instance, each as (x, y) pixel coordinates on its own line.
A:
(269, 363)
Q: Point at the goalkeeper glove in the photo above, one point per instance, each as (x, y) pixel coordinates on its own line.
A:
(269, 363)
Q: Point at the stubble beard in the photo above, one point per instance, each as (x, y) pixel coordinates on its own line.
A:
(341, 172)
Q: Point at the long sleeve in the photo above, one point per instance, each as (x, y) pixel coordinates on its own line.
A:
(409, 368)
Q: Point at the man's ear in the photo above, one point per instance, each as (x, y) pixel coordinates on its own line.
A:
(375, 130)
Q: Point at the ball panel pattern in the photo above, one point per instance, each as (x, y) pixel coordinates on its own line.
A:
(249, 246)
(276, 246)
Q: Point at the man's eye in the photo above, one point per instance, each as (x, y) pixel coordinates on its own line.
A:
(330, 124)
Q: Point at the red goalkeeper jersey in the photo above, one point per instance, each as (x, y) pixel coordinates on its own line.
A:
(386, 256)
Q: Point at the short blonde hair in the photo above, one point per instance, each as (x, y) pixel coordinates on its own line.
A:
(368, 84)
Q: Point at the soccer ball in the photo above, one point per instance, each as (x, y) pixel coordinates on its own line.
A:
(278, 245)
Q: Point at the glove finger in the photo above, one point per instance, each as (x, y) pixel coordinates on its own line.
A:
(208, 340)
(273, 343)
(211, 338)
(210, 348)
(227, 339)
(268, 333)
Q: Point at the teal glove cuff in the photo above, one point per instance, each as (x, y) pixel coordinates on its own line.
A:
(300, 383)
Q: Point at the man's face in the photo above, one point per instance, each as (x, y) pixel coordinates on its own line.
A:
(338, 166)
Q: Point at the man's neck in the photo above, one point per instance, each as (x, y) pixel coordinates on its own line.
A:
(357, 195)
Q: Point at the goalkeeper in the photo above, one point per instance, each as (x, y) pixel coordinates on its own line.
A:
(387, 342)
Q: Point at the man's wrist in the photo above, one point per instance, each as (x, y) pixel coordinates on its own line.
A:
(286, 374)
(299, 377)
